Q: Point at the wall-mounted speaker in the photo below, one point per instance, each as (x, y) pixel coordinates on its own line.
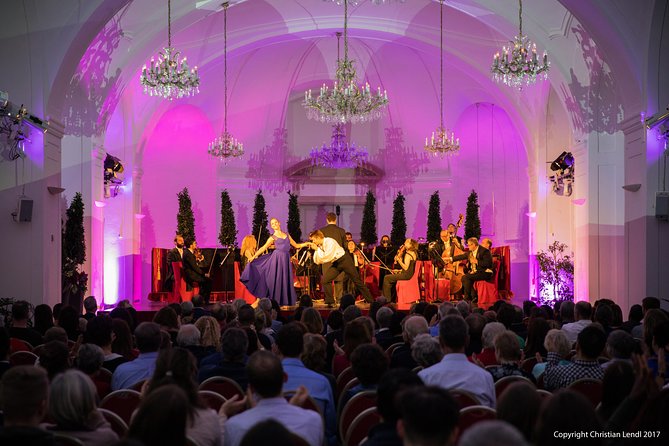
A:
(662, 205)
(25, 210)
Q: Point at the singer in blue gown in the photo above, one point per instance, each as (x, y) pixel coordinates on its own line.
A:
(271, 275)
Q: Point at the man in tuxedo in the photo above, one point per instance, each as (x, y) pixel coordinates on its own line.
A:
(480, 266)
(173, 255)
(192, 271)
(338, 234)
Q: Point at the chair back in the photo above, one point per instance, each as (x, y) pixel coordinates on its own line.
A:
(213, 400)
(352, 383)
(22, 358)
(343, 378)
(104, 375)
(138, 385)
(408, 291)
(464, 398)
(361, 426)
(474, 414)
(122, 402)
(590, 388)
(528, 364)
(66, 440)
(359, 402)
(502, 384)
(225, 387)
(119, 426)
(391, 349)
(19, 345)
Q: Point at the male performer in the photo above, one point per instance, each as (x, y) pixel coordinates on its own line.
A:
(338, 234)
(328, 250)
(480, 266)
(448, 239)
(173, 255)
(193, 272)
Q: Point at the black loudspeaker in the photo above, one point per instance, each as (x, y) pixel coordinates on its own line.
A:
(337, 210)
(662, 206)
(25, 210)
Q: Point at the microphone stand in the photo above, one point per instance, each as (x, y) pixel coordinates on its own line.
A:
(225, 277)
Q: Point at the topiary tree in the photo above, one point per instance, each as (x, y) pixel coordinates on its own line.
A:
(227, 236)
(472, 220)
(185, 217)
(73, 254)
(368, 226)
(260, 224)
(398, 233)
(434, 217)
(556, 274)
(294, 218)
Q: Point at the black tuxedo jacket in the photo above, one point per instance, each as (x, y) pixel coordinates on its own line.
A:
(439, 245)
(335, 232)
(191, 271)
(172, 256)
(483, 256)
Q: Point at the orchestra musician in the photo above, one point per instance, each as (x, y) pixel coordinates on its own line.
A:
(338, 234)
(384, 254)
(480, 266)
(192, 270)
(173, 255)
(406, 259)
(448, 240)
(358, 261)
(247, 251)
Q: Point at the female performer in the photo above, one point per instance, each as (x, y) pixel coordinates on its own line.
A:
(271, 276)
(246, 253)
(406, 258)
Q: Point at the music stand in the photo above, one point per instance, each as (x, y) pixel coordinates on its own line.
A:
(230, 249)
(438, 264)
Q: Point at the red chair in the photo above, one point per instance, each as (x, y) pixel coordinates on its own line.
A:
(391, 349)
(502, 384)
(351, 384)
(408, 291)
(138, 385)
(361, 425)
(23, 358)
(19, 345)
(117, 424)
(181, 291)
(342, 379)
(528, 364)
(590, 388)
(213, 400)
(487, 291)
(354, 407)
(544, 394)
(474, 414)
(122, 402)
(464, 398)
(240, 290)
(66, 440)
(225, 387)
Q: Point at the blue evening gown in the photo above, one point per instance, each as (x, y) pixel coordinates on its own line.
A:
(271, 276)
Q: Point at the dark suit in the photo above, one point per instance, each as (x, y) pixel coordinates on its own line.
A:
(193, 273)
(173, 255)
(484, 262)
(339, 235)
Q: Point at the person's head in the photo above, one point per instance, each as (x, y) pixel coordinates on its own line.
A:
(335, 320)
(90, 304)
(650, 303)
(493, 433)
(350, 245)
(190, 243)
(235, 344)
(429, 417)
(275, 224)
(122, 339)
(411, 245)
(99, 331)
(556, 341)
(210, 332)
(69, 321)
(20, 311)
(176, 366)
(265, 374)
(314, 353)
(519, 406)
(290, 340)
(604, 315)
(249, 244)
(464, 308)
(566, 411)
(43, 318)
(55, 334)
(312, 319)
(413, 326)
(369, 363)
(582, 311)
(198, 301)
(269, 432)
(385, 240)
(187, 308)
(167, 318)
(426, 351)
(491, 330)
(635, 314)
(24, 392)
(331, 218)
(54, 358)
(356, 333)
(384, 317)
(620, 344)
(567, 312)
(391, 384)
(154, 425)
(476, 322)
(246, 315)
(147, 336)
(347, 300)
(351, 313)
(188, 336)
(652, 319)
(349, 237)
(507, 348)
(90, 358)
(616, 386)
(536, 333)
(472, 243)
(590, 342)
(72, 400)
(306, 301)
(486, 243)
(453, 334)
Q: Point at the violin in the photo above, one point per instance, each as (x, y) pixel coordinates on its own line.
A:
(198, 255)
(400, 254)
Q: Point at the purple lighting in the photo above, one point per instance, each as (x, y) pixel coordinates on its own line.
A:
(339, 155)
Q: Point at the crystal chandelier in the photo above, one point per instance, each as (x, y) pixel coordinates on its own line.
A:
(170, 77)
(518, 64)
(355, 2)
(225, 146)
(443, 141)
(345, 101)
(339, 154)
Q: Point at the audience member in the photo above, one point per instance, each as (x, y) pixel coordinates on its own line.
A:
(270, 432)
(99, 331)
(130, 373)
(90, 308)
(647, 304)
(487, 356)
(455, 371)
(246, 316)
(616, 386)
(4, 351)
(210, 333)
(401, 357)
(232, 362)
(519, 406)
(464, 308)
(566, 314)
(153, 425)
(383, 318)
(54, 358)
(493, 433)
(651, 320)
(603, 315)
(346, 301)
(187, 312)
(633, 318)
(20, 328)
(189, 338)
(508, 354)
(356, 332)
(442, 312)
(89, 361)
(429, 417)
(590, 344)
(69, 321)
(168, 320)
(43, 318)
(312, 320)
(198, 307)
(619, 345)
(55, 334)
(426, 350)
(567, 412)
(266, 305)
(582, 315)
(556, 341)
(476, 323)
(314, 356)
(122, 340)
(536, 334)
(334, 332)
(369, 363)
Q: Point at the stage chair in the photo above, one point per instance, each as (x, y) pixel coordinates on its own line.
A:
(117, 424)
(502, 384)
(487, 291)
(361, 425)
(464, 398)
(225, 387)
(181, 291)
(588, 387)
(240, 289)
(122, 402)
(359, 402)
(22, 358)
(213, 400)
(474, 414)
(408, 291)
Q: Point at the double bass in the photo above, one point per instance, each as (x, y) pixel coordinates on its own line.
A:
(454, 270)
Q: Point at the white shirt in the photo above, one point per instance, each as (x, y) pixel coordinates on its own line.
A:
(328, 252)
(573, 329)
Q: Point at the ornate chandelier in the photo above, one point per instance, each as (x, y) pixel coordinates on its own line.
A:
(518, 64)
(225, 146)
(355, 2)
(443, 141)
(339, 154)
(345, 101)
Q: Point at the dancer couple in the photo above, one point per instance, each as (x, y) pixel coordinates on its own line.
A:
(271, 276)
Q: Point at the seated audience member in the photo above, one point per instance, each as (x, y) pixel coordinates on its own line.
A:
(429, 417)
(312, 320)
(130, 373)
(24, 394)
(519, 406)
(198, 307)
(391, 384)
(210, 334)
(567, 411)
(43, 319)
(55, 334)
(99, 331)
(168, 320)
(383, 318)
(269, 432)
(232, 363)
(356, 332)
(454, 371)
(590, 344)
(426, 350)
(54, 358)
(616, 386)
(619, 345)
(69, 321)
(508, 354)
(566, 314)
(443, 311)
(647, 304)
(556, 341)
(633, 318)
(89, 361)
(334, 332)
(603, 315)
(122, 343)
(493, 433)
(266, 376)
(265, 305)
(4, 351)
(153, 425)
(536, 334)
(246, 316)
(651, 321)
(90, 308)
(464, 308)
(476, 323)
(369, 363)
(73, 410)
(187, 312)
(314, 356)
(582, 315)
(290, 343)
(177, 366)
(20, 328)
(401, 357)
(487, 356)
(189, 338)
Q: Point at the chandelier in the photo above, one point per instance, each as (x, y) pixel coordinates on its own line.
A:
(345, 101)
(225, 146)
(339, 154)
(355, 2)
(518, 64)
(170, 76)
(443, 141)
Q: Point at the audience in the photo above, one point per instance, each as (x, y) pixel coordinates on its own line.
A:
(619, 345)
(429, 416)
(487, 356)
(270, 432)
(369, 363)
(519, 406)
(426, 350)
(590, 344)
(122, 339)
(476, 323)
(54, 358)
(556, 341)
(647, 304)
(20, 328)
(69, 321)
(100, 331)
(383, 318)
(401, 357)
(633, 319)
(153, 425)
(356, 332)
(312, 320)
(567, 412)
(168, 320)
(90, 308)
(508, 354)
(55, 334)
(43, 318)
(493, 433)
(189, 338)
(536, 333)
(232, 363)
(130, 373)
(314, 356)
(616, 386)
(89, 361)
(582, 314)
(24, 395)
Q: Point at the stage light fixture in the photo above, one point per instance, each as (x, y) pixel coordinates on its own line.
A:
(113, 176)
(563, 162)
(563, 179)
(657, 118)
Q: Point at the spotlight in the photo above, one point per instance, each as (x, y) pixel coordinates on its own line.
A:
(657, 118)
(113, 176)
(563, 179)
(563, 162)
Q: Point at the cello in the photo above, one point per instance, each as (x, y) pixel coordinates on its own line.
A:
(455, 270)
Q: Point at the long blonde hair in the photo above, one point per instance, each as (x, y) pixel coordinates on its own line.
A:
(248, 244)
